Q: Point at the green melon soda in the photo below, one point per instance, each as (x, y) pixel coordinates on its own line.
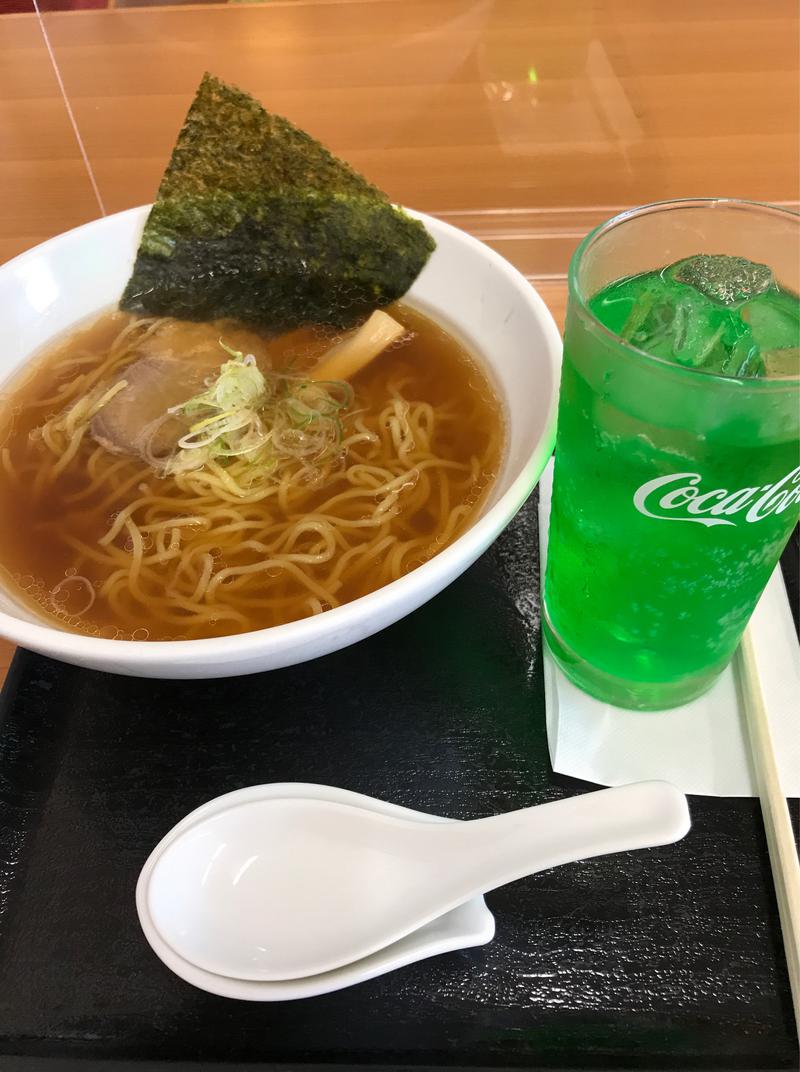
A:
(677, 478)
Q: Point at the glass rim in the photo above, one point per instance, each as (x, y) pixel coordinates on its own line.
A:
(575, 292)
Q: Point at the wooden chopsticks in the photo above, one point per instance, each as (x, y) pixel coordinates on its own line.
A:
(777, 822)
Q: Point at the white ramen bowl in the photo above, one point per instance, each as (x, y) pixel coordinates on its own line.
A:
(465, 286)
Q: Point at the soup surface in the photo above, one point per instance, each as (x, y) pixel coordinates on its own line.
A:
(110, 545)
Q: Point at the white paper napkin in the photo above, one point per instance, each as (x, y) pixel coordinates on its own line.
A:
(700, 747)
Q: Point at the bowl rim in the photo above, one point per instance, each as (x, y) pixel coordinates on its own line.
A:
(339, 620)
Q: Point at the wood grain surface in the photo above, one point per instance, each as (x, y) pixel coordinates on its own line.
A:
(523, 121)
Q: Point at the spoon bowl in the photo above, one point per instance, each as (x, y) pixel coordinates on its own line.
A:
(471, 924)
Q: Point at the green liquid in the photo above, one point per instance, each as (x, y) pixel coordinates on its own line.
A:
(749, 336)
(675, 492)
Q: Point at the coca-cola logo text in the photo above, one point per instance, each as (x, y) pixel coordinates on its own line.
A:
(680, 497)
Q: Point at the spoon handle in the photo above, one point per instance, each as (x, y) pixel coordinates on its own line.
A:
(491, 852)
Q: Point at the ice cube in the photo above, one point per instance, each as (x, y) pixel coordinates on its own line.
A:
(747, 365)
(774, 321)
(783, 363)
(727, 280)
(678, 325)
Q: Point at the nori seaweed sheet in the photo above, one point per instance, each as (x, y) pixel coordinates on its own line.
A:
(256, 220)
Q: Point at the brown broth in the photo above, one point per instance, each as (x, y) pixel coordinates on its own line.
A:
(36, 526)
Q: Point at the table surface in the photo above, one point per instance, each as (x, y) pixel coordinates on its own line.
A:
(525, 122)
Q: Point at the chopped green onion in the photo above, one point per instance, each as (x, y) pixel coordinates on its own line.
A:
(245, 413)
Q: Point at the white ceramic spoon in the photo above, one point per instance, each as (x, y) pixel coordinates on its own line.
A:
(286, 888)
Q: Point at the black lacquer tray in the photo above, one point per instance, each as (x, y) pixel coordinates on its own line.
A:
(669, 959)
